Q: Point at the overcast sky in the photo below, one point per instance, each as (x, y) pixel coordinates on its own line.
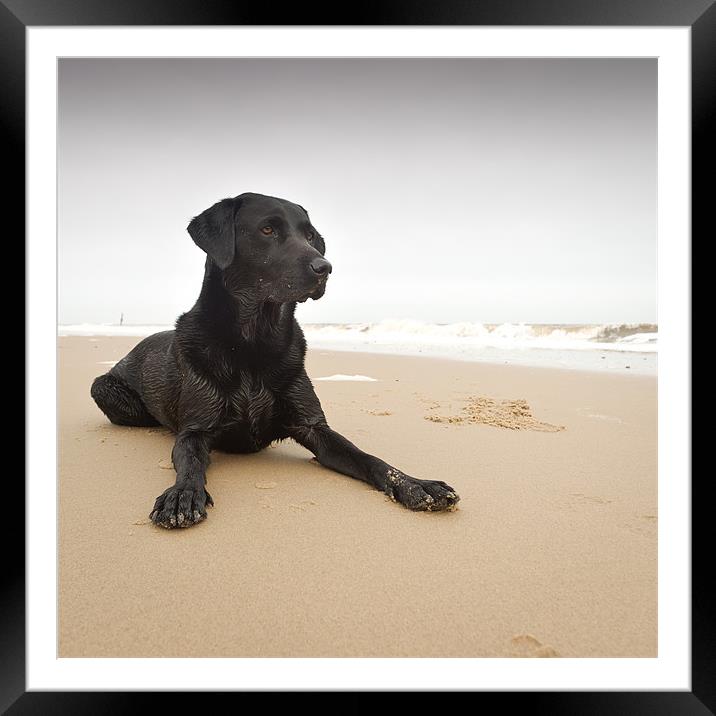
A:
(447, 190)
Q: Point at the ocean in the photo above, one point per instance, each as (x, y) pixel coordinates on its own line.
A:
(626, 347)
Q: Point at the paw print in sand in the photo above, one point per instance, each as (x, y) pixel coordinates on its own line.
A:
(528, 646)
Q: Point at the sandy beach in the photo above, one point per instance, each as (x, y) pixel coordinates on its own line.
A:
(552, 552)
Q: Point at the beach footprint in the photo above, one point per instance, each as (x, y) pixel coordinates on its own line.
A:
(302, 506)
(594, 415)
(645, 525)
(528, 646)
(578, 500)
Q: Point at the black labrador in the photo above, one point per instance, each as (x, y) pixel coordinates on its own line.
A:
(231, 375)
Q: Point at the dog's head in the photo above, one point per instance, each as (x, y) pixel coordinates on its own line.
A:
(264, 245)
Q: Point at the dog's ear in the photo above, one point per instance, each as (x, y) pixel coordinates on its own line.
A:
(319, 244)
(214, 231)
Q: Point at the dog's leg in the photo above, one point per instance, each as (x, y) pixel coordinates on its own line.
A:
(119, 402)
(184, 504)
(337, 453)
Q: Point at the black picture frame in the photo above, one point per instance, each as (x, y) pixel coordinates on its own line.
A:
(699, 15)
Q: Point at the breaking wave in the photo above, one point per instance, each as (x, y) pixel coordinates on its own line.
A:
(641, 337)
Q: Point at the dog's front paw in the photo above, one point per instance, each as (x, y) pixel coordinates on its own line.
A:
(180, 506)
(426, 495)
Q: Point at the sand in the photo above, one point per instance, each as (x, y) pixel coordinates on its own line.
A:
(552, 552)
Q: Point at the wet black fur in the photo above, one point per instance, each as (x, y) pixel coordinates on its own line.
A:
(231, 375)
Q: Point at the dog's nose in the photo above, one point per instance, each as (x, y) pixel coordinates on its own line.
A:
(321, 266)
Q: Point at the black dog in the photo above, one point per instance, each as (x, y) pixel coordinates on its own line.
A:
(231, 376)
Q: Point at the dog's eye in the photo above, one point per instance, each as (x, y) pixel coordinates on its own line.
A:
(266, 230)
